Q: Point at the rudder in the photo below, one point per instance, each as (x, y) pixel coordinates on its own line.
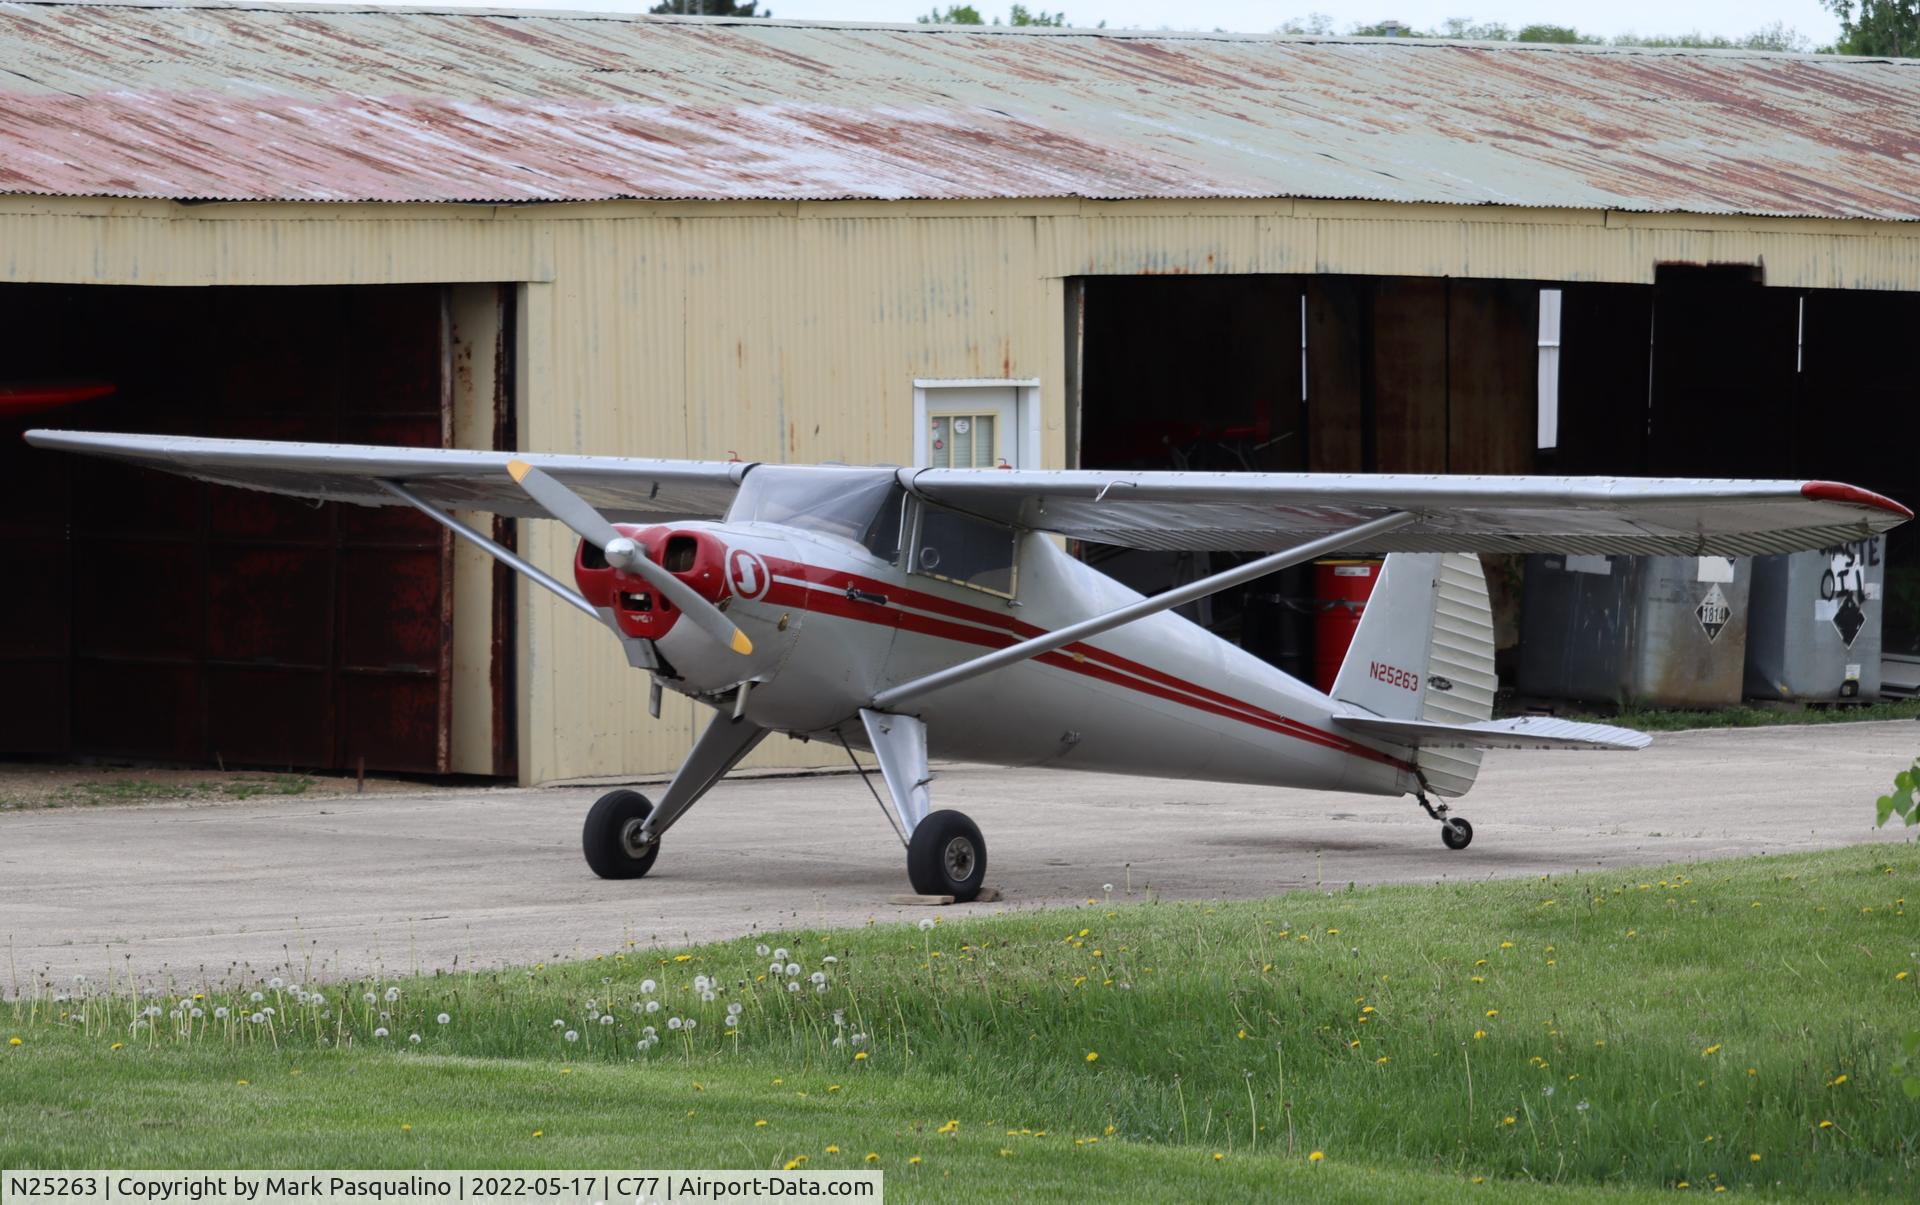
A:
(1424, 651)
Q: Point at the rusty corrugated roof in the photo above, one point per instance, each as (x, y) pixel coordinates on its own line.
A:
(263, 102)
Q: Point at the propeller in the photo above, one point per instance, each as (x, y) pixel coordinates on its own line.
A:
(624, 553)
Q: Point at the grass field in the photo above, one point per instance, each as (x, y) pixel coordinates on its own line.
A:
(1654, 719)
(1725, 1025)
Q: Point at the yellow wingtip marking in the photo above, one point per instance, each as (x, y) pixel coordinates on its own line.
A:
(741, 644)
(518, 470)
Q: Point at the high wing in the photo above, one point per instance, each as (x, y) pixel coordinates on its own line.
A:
(624, 490)
(1276, 511)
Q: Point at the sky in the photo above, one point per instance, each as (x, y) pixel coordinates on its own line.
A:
(1730, 18)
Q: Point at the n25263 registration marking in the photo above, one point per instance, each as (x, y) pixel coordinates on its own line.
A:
(1393, 675)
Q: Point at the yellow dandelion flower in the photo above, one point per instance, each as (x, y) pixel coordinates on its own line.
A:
(1093, 1056)
(1507, 1120)
(1478, 979)
(833, 1087)
(15, 1042)
(1315, 1156)
(832, 1150)
(683, 958)
(1713, 1049)
(790, 1165)
(1096, 954)
(1683, 1184)
(1369, 1008)
(1109, 1129)
(1479, 1179)
(1754, 1158)
(1242, 1035)
(873, 1156)
(240, 1083)
(1333, 932)
(951, 1126)
(539, 1133)
(406, 1128)
(1493, 1012)
(1353, 1045)
(1478, 1034)
(1902, 975)
(118, 1046)
(1506, 945)
(1004, 1151)
(760, 1123)
(1826, 1125)
(1382, 1060)
(1217, 1156)
(1836, 1081)
(861, 1057)
(912, 1160)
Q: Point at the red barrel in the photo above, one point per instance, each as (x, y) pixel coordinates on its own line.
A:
(1340, 592)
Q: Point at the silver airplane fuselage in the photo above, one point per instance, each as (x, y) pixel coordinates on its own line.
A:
(833, 625)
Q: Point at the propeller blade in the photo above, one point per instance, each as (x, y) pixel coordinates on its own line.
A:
(622, 553)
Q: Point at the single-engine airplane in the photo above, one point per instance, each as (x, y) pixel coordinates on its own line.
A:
(931, 612)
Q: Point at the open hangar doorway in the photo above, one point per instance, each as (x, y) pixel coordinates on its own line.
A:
(1710, 372)
(155, 618)
(1271, 373)
(1706, 372)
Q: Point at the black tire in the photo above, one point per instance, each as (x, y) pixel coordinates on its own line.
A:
(947, 856)
(1456, 833)
(604, 838)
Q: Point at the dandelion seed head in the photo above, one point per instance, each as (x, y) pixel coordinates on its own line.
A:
(761, 949)
(780, 954)
(817, 977)
(220, 1013)
(257, 997)
(793, 985)
(793, 970)
(572, 1035)
(709, 996)
(647, 987)
(653, 1006)
(380, 1032)
(443, 1019)
(414, 1038)
(276, 983)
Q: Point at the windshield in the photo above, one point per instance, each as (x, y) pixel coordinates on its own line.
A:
(851, 504)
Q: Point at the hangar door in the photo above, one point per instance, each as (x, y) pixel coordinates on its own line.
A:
(149, 616)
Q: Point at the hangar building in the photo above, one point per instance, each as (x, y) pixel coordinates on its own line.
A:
(793, 242)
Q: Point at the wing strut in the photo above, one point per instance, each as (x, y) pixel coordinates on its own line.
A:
(1046, 642)
(510, 559)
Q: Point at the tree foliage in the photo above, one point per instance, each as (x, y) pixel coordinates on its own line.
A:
(1018, 14)
(708, 8)
(1877, 27)
(1777, 36)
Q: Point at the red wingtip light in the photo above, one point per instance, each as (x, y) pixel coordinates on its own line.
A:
(1840, 491)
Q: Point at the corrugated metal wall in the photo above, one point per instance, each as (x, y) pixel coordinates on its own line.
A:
(794, 332)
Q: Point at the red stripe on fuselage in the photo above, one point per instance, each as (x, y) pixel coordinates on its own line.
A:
(825, 593)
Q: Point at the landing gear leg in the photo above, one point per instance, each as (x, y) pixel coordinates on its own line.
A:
(622, 834)
(1455, 833)
(945, 852)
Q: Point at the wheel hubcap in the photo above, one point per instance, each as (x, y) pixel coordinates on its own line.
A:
(959, 859)
(634, 840)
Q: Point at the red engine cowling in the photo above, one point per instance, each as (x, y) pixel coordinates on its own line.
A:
(697, 558)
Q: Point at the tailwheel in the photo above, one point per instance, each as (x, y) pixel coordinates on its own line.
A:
(1455, 833)
(614, 840)
(947, 856)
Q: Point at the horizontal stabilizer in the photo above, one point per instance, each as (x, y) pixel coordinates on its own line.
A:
(1517, 732)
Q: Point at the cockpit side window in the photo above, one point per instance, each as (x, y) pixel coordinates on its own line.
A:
(883, 534)
(958, 547)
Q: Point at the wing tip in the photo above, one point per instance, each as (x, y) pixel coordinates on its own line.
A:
(1853, 495)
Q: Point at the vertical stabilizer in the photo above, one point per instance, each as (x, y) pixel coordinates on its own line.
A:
(1424, 651)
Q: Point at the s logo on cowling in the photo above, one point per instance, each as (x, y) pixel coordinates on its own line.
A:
(747, 575)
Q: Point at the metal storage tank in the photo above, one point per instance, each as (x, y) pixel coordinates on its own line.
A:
(1660, 631)
(1813, 632)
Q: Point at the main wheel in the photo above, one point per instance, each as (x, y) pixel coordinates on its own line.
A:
(611, 838)
(947, 857)
(1456, 833)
